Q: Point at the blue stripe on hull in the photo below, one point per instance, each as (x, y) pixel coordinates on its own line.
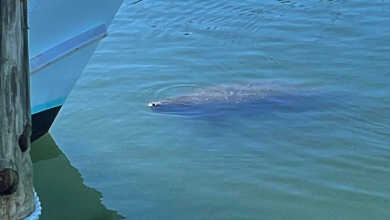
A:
(47, 105)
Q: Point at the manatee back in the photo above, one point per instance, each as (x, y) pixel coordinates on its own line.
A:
(252, 99)
(237, 92)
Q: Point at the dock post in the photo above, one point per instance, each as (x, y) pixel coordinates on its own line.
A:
(17, 196)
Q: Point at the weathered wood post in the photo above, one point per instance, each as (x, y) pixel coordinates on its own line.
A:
(16, 177)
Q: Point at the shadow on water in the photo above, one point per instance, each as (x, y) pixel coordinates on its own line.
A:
(60, 186)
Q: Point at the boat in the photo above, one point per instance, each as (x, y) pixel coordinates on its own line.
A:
(63, 36)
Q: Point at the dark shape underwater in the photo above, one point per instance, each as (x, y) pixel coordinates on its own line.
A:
(250, 99)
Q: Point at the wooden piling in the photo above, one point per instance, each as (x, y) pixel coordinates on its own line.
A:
(16, 176)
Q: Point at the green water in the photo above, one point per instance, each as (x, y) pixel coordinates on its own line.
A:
(330, 163)
(60, 186)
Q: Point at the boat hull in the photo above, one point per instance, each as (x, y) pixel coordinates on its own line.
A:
(63, 36)
(42, 122)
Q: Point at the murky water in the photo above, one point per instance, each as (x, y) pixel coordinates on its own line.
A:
(330, 163)
(60, 186)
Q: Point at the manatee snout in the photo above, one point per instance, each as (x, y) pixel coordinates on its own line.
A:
(154, 104)
(175, 108)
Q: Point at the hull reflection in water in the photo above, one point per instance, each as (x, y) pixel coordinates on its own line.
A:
(60, 186)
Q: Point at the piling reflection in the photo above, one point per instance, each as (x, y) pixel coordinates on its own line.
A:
(60, 186)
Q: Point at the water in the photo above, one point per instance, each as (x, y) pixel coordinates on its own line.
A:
(60, 186)
(332, 163)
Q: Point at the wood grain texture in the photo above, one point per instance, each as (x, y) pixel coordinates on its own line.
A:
(16, 177)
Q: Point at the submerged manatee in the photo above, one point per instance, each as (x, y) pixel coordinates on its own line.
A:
(246, 99)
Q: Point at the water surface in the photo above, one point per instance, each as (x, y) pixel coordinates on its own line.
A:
(60, 186)
(332, 163)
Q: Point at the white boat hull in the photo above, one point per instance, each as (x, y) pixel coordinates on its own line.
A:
(63, 36)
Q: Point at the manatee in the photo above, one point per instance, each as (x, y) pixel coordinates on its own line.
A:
(247, 99)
